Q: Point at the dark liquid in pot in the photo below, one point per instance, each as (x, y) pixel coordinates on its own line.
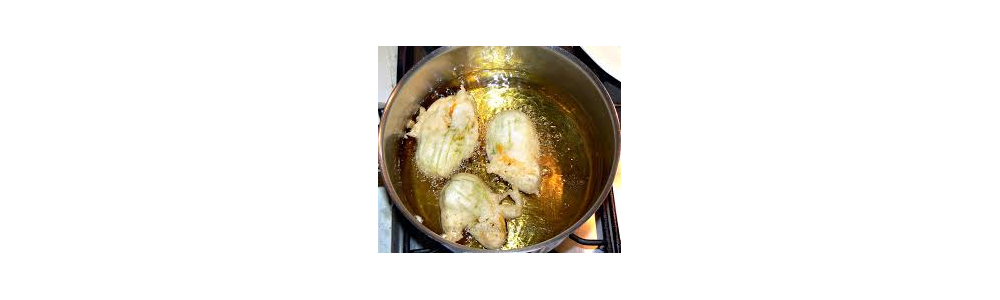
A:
(568, 178)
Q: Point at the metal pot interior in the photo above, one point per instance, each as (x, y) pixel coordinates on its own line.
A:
(572, 113)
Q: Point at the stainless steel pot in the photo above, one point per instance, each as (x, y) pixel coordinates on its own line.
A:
(547, 67)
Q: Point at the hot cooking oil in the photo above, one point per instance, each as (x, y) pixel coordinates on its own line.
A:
(567, 173)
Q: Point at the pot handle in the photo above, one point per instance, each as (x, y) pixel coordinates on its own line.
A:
(583, 241)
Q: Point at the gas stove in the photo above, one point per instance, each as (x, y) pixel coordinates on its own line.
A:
(598, 235)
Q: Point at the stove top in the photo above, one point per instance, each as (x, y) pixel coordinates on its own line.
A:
(598, 235)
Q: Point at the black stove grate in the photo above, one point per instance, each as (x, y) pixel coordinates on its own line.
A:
(407, 239)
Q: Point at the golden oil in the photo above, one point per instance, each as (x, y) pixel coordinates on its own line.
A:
(567, 179)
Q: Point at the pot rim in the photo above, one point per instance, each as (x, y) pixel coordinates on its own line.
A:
(547, 244)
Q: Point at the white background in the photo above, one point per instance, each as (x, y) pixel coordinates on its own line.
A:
(210, 149)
